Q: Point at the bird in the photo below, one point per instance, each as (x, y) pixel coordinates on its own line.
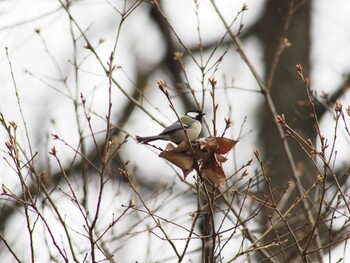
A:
(192, 123)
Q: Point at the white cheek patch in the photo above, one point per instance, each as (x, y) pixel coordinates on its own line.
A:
(192, 114)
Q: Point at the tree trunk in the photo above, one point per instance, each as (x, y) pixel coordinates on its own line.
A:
(288, 94)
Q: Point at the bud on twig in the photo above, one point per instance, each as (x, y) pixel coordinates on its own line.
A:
(338, 106)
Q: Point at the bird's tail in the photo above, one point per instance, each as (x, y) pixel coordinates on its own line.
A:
(147, 138)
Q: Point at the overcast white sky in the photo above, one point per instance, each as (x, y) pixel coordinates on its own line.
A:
(39, 61)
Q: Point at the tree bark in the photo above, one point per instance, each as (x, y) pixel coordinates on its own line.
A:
(290, 98)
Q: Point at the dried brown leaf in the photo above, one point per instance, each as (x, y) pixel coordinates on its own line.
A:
(212, 170)
(225, 145)
(178, 157)
(219, 145)
(209, 143)
(220, 158)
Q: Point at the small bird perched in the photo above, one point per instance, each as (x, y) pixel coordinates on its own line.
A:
(191, 121)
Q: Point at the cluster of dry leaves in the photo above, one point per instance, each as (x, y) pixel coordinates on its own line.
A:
(206, 156)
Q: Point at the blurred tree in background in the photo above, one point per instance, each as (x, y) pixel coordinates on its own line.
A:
(77, 187)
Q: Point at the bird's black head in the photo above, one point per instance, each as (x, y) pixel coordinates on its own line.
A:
(195, 114)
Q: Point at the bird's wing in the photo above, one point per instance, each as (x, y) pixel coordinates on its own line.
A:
(173, 127)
